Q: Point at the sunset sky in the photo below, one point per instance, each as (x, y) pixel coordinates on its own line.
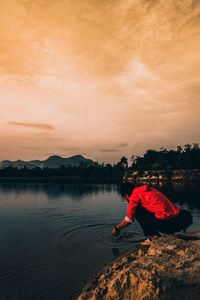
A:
(101, 78)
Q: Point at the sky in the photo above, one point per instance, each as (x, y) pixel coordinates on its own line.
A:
(101, 78)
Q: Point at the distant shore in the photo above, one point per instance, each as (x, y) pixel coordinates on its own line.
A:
(63, 179)
(188, 175)
(138, 177)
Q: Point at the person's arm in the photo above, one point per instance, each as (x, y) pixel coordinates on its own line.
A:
(127, 197)
(120, 226)
(133, 202)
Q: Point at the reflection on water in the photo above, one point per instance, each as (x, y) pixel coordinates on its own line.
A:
(184, 193)
(55, 236)
(56, 190)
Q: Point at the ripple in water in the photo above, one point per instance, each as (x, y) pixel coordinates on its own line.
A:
(49, 246)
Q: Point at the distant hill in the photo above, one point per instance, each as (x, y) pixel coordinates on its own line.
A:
(54, 162)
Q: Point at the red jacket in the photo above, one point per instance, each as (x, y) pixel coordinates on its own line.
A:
(152, 200)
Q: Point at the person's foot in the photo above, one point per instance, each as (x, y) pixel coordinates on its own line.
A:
(151, 239)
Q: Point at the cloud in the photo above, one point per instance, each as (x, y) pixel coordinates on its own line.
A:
(109, 150)
(31, 148)
(103, 37)
(122, 145)
(40, 126)
(70, 148)
(105, 72)
(118, 148)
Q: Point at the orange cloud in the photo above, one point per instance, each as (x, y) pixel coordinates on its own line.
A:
(109, 150)
(116, 77)
(122, 145)
(40, 126)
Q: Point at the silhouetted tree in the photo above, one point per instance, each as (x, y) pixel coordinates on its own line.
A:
(189, 158)
(123, 162)
(179, 149)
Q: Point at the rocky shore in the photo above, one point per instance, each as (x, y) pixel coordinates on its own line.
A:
(190, 175)
(168, 269)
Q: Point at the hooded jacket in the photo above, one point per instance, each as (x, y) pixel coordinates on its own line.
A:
(152, 200)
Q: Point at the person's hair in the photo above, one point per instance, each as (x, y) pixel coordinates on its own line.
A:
(127, 188)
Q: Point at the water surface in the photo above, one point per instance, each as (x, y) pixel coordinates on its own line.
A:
(55, 236)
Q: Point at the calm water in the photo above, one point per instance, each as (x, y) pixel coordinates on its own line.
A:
(53, 237)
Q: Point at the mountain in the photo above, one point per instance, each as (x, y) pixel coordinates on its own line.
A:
(54, 162)
(19, 164)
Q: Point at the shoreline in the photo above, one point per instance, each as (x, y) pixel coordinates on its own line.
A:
(62, 179)
(150, 271)
(162, 176)
(79, 180)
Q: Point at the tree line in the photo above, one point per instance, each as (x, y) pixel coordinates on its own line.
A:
(187, 157)
(97, 172)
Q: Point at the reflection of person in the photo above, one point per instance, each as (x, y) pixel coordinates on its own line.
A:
(154, 212)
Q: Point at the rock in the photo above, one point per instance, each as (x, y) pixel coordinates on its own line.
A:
(169, 269)
(140, 252)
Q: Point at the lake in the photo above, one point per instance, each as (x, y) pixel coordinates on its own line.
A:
(55, 236)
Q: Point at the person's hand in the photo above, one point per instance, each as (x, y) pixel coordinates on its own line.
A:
(115, 233)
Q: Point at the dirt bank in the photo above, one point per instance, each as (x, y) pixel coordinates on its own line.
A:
(168, 269)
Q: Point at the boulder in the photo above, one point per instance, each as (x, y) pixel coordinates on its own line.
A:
(168, 269)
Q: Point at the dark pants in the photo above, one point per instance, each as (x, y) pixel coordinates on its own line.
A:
(152, 225)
